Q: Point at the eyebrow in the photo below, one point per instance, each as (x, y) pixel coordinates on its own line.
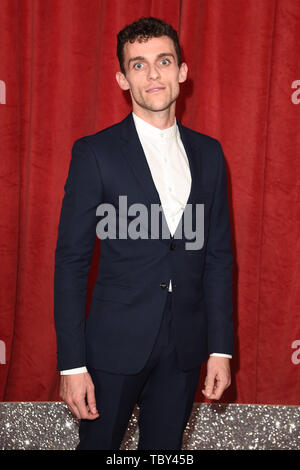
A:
(162, 54)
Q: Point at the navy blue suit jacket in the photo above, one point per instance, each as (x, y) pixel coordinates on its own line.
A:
(133, 274)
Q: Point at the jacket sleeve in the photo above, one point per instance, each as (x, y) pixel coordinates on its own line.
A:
(74, 250)
(217, 277)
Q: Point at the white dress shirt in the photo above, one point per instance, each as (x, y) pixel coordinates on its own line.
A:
(169, 166)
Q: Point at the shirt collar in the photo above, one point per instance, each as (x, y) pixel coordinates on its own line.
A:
(152, 132)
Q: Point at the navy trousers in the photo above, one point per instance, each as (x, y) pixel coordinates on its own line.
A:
(164, 394)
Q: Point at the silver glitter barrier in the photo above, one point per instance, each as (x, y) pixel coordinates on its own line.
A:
(51, 426)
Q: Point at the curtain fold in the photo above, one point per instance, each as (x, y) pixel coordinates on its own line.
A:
(57, 83)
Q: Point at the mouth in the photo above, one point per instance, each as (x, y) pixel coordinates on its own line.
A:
(155, 89)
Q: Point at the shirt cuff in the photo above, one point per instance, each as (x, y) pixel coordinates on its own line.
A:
(221, 355)
(78, 370)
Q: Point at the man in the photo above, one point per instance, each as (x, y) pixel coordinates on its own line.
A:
(159, 306)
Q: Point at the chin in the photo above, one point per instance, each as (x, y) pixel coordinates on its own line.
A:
(154, 105)
(159, 106)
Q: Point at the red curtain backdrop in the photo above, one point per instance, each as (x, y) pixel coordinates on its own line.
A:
(57, 83)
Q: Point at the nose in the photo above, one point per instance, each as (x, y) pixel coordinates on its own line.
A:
(153, 73)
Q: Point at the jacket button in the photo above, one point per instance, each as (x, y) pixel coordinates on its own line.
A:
(172, 245)
(163, 285)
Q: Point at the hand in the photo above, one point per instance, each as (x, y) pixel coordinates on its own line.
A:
(217, 378)
(74, 389)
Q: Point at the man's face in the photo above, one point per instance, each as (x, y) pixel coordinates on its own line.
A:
(152, 74)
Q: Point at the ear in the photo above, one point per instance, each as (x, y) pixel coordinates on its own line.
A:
(183, 70)
(122, 82)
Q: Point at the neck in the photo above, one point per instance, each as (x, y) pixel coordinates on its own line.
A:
(160, 119)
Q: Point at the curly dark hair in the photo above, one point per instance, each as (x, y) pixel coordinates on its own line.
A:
(142, 30)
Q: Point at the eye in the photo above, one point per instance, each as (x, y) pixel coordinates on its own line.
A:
(165, 61)
(138, 66)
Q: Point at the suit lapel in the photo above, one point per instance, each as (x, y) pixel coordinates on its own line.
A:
(134, 153)
(191, 155)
